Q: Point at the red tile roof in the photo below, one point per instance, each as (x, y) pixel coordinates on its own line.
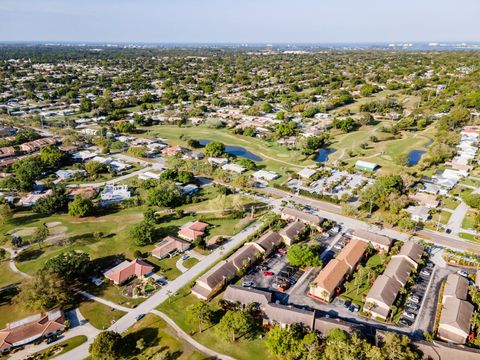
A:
(127, 270)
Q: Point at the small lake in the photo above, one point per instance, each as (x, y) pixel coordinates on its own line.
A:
(322, 155)
(414, 157)
(235, 150)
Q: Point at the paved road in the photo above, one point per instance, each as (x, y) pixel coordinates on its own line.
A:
(173, 287)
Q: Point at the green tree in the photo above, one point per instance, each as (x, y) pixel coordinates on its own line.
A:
(303, 255)
(233, 324)
(25, 172)
(6, 214)
(51, 156)
(93, 168)
(106, 346)
(54, 203)
(80, 207)
(267, 108)
(70, 265)
(143, 233)
(45, 291)
(165, 194)
(40, 234)
(85, 105)
(214, 149)
(201, 313)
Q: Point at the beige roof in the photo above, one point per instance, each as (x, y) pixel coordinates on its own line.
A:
(287, 315)
(269, 241)
(384, 290)
(292, 229)
(399, 269)
(457, 314)
(301, 215)
(169, 244)
(412, 250)
(425, 199)
(352, 252)
(331, 275)
(217, 274)
(372, 237)
(247, 296)
(456, 286)
(244, 256)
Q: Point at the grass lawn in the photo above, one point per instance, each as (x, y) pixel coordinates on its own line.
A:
(7, 276)
(99, 315)
(190, 262)
(166, 266)
(161, 341)
(445, 217)
(65, 346)
(9, 311)
(363, 278)
(467, 236)
(113, 293)
(450, 203)
(469, 220)
(243, 349)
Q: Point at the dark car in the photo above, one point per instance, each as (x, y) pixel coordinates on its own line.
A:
(351, 308)
(51, 339)
(347, 304)
(405, 322)
(448, 231)
(139, 317)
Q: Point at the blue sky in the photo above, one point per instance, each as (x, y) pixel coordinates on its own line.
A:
(245, 21)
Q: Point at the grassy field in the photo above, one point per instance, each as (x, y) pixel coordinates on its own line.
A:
(467, 236)
(9, 311)
(7, 276)
(167, 266)
(363, 278)
(113, 293)
(65, 346)
(99, 315)
(190, 262)
(469, 220)
(449, 203)
(161, 341)
(243, 349)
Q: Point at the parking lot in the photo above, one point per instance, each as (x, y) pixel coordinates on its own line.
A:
(273, 274)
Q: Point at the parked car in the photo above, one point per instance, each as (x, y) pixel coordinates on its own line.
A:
(425, 272)
(338, 246)
(51, 339)
(414, 299)
(409, 315)
(356, 307)
(462, 273)
(139, 317)
(412, 306)
(351, 308)
(185, 257)
(247, 283)
(347, 304)
(448, 231)
(267, 273)
(430, 264)
(282, 251)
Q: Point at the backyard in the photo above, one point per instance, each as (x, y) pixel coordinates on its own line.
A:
(99, 315)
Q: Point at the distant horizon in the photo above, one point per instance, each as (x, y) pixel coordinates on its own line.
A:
(237, 22)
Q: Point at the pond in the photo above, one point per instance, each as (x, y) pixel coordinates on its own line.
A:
(235, 150)
(322, 155)
(414, 157)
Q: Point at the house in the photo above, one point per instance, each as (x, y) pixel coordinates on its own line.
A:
(456, 287)
(214, 279)
(290, 233)
(172, 150)
(33, 197)
(379, 242)
(291, 214)
(149, 175)
(115, 193)
(411, 251)
(332, 275)
(428, 200)
(192, 230)
(455, 319)
(265, 175)
(418, 213)
(246, 296)
(366, 166)
(284, 315)
(234, 168)
(32, 328)
(86, 192)
(68, 174)
(190, 189)
(217, 161)
(245, 256)
(269, 241)
(385, 288)
(381, 297)
(84, 155)
(169, 245)
(307, 173)
(119, 166)
(127, 270)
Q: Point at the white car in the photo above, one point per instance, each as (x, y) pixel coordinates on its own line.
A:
(409, 315)
(425, 272)
(414, 299)
(462, 273)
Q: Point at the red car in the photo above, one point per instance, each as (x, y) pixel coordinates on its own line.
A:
(282, 251)
(267, 273)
